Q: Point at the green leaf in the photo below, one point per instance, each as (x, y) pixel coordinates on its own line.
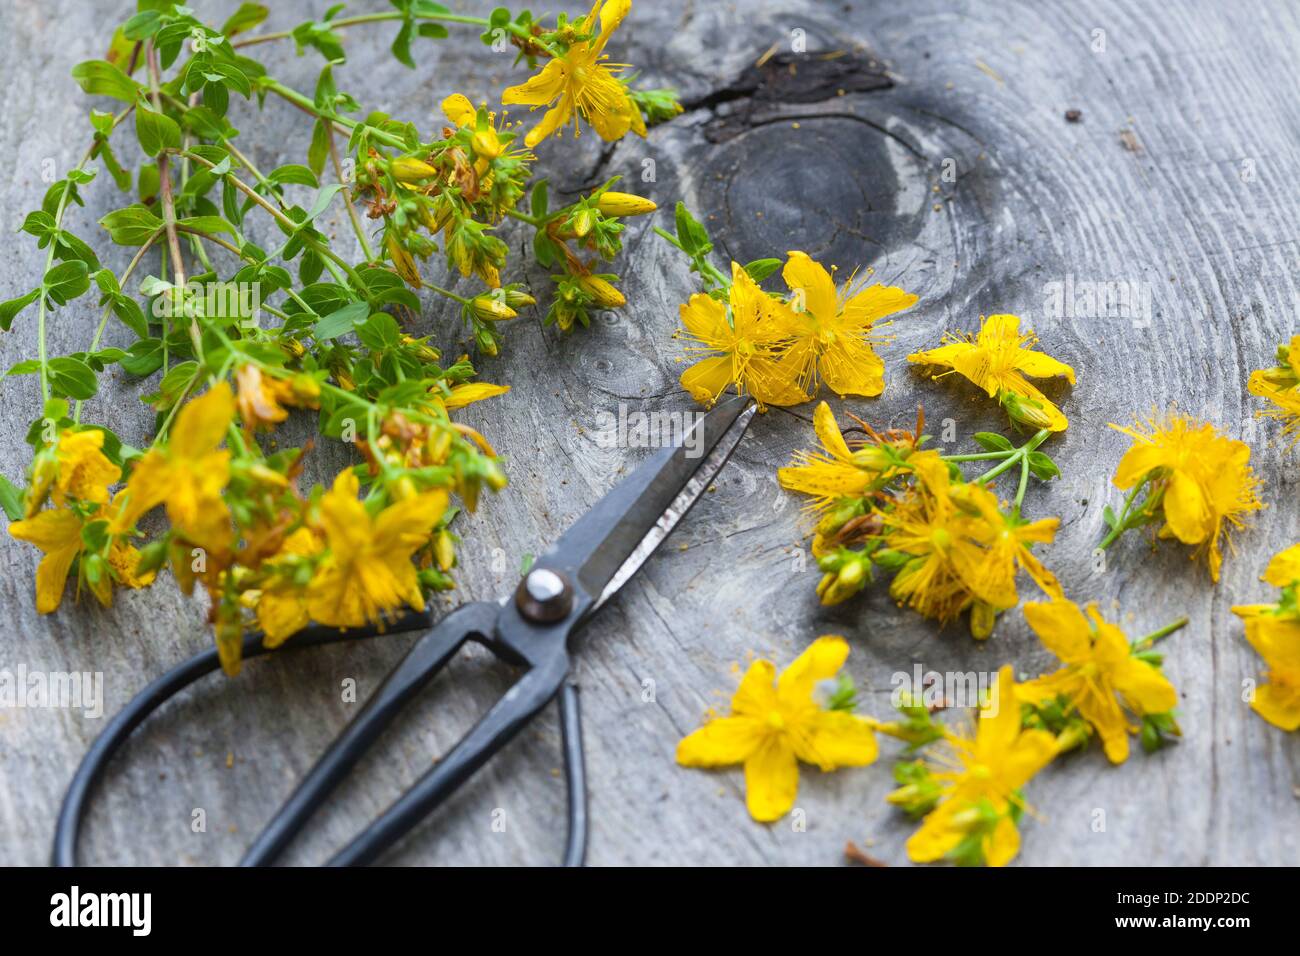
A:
(246, 17)
(132, 226)
(991, 441)
(72, 377)
(9, 310)
(379, 332)
(11, 499)
(693, 236)
(760, 269)
(322, 201)
(320, 147)
(341, 322)
(402, 44)
(66, 281)
(207, 224)
(143, 358)
(1042, 466)
(143, 25)
(156, 131)
(130, 314)
(539, 202)
(1108, 515)
(101, 78)
(29, 367)
(293, 174)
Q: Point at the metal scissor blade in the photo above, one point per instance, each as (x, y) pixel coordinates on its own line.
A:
(607, 545)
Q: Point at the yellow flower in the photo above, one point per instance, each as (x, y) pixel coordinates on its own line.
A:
(1277, 639)
(282, 608)
(84, 472)
(261, 398)
(831, 476)
(1204, 478)
(57, 532)
(459, 109)
(997, 360)
(742, 351)
(1101, 678)
(991, 573)
(926, 525)
(983, 772)
(368, 573)
(189, 473)
(834, 331)
(1281, 386)
(776, 723)
(581, 83)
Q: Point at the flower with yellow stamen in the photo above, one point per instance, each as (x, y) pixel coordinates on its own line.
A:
(1281, 387)
(743, 351)
(189, 473)
(367, 574)
(833, 332)
(997, 359)
(776, 723)
(979, 778)
(1203, 479)
(1005, 542)
(581, 83)
(1102, 677)
(831, 475)
(282, 606)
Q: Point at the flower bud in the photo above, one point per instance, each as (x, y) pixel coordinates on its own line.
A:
(408, 169)
(582, 221)
(624, 204)
(518, 298)
(1025, 411)
(604, 294)
(486, 143)
(492, 308)
(444, 550)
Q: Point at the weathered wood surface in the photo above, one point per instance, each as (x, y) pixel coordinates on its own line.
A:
(1203, 214)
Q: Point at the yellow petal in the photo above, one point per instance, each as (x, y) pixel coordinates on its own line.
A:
(540, 89)
(1145, 688)
(707, 379)
(721, 742)
(771, 779)
(1102, 711)
(812, 284)
(1284, 569)
(1279, 706)
(999, 719)
(945, 355)
(1062, 628)
(874, 303)
(822, 660)
(1041, 365)
(462, 395)
(756, 696)
(834, 738)
(1186, 510)
(829, 434)
(850, 366)
(936, 837)
(459, 109)
(201, 425)
(1002, 845)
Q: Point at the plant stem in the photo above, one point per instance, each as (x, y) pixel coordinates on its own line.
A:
(62, 208)
(1121, 521)
(1017, 455)
(1143, 643)
(103, 319)
(514, 28)
(168, 201)
(706, 267)
(348, 198)
(309, 105)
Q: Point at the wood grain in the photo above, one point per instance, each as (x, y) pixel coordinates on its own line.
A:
(1202, 213)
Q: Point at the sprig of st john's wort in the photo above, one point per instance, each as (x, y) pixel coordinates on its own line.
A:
(267, 552)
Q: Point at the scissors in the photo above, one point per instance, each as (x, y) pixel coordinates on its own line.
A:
(564, 588)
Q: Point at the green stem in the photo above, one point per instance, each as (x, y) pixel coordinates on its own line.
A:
(103, 318)
(309, 105)
(348, 198)
(1122, 522)
(1024, 482)
(514, 28)
(981, 456)
(41, 351)
(448, 293)
(704, 265)
(1143, 643)
(1019, 454)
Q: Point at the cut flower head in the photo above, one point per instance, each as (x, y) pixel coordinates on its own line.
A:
(1273, 630)
(998, 359)
(969, 785)
(1199, 480)
(1102, 677)
(777, 722)
(579, 82)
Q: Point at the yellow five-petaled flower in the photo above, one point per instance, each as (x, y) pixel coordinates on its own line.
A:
(1101, 677)
(580, 82)
(998, 359)
(776, 723)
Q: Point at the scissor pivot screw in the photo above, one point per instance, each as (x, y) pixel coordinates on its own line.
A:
(544, 596)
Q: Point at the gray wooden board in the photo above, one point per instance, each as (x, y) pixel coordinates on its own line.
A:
(1202, 214)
